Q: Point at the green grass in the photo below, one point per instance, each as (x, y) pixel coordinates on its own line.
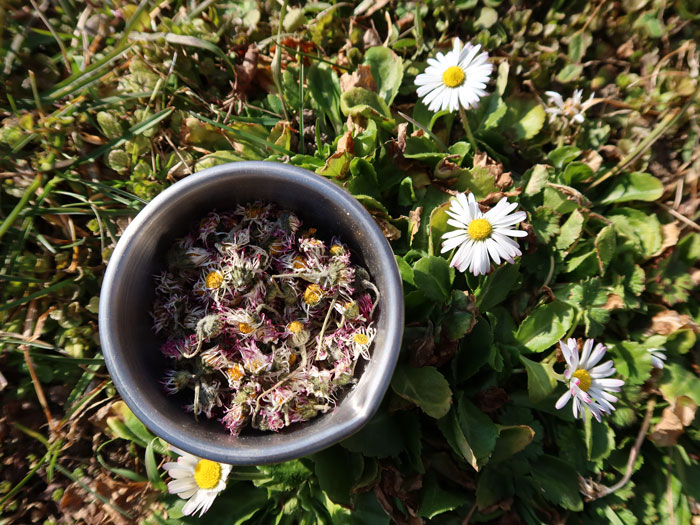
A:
(105, 106)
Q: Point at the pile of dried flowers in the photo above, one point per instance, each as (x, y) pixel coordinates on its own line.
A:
(265, 323)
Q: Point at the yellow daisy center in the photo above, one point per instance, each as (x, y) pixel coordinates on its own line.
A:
(453, 76)
(207, 474)
(276, 247)
(479, 229)
(299, 263)
(312, 294)
(337, 249)
(245, 328)
(295, 327)
(360, 339)
(213, 280)
(584, 379)
(235, 372)
(292, 359)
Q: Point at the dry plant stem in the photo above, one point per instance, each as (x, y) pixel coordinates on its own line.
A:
(469, 515)
(28, 322)
(605, 491)
(669, 120)
(679, 216)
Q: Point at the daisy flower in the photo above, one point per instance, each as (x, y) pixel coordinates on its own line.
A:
(589, 385)
(197, 480)
(657, 357)
(570, 110)
(456, 79)
(482, 236)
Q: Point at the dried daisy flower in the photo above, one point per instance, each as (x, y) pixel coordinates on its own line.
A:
(265, 322)
(571, 110)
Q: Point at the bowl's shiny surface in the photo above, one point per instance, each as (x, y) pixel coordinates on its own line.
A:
(131, 348)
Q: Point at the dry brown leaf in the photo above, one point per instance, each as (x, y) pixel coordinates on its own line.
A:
(414, 221)
(345, 143)
(669, 321)
(245, 73)
(593, 159)
(669, 233)
(673, 420)
(361, 77)
(614, 301)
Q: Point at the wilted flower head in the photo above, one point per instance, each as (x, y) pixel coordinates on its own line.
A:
(570, 110)
(482, 236)
(589, 385)
(456, 79)
(197, 480)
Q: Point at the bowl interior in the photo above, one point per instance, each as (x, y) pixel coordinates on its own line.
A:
(132, 349)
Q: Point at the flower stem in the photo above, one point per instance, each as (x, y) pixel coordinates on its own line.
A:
(467, 129)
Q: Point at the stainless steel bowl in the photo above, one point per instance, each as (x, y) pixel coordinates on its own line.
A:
(131, 349)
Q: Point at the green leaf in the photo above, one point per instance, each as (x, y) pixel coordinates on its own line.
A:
(474, 351)
(599, 437)
(478, 180)
(570, 230)
(511, 440)
(380, 438)
(561, 156)
(633, 362)
(540, 379)
(642, 230)
(678, 381)
(387, 71)
(545, 222)
(496, 286)
(525, 117)
(152, 468)
(545, 326)
(539, 175)
(480, 432)
(435, 500)
(576, 172)
(451, 429)
(569, 73)
(329, 463)
(635, 186)
(493, 486)
(459, 319)
(363, 102)
(405, 270)
(559, 482)
(433, 276)
(426, 387)
(605, 247)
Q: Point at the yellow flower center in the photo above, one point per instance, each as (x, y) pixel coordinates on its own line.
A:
(295, 327)
(453, 76)
(207, 474)
(584, 379)
(479, 229)
(245, 328)
(337, 249)
(254, 212)
(276, 247)
(213, 280)
(360, 339)
(299, 263)
(235, 372)
(312, 294)
(292, 359)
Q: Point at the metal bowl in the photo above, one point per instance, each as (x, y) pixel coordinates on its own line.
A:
(131, 349)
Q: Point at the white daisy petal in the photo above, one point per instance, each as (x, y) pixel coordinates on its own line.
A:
(589, 385)
(197, 480)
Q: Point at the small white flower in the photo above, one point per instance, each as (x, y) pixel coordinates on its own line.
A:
(571, 109)
(589, 385)
(361, 340)
(197, 480)
(456, 79)
(657, 357)
(482, 236)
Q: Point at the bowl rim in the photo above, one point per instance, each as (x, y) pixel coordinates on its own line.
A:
(147, 412)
